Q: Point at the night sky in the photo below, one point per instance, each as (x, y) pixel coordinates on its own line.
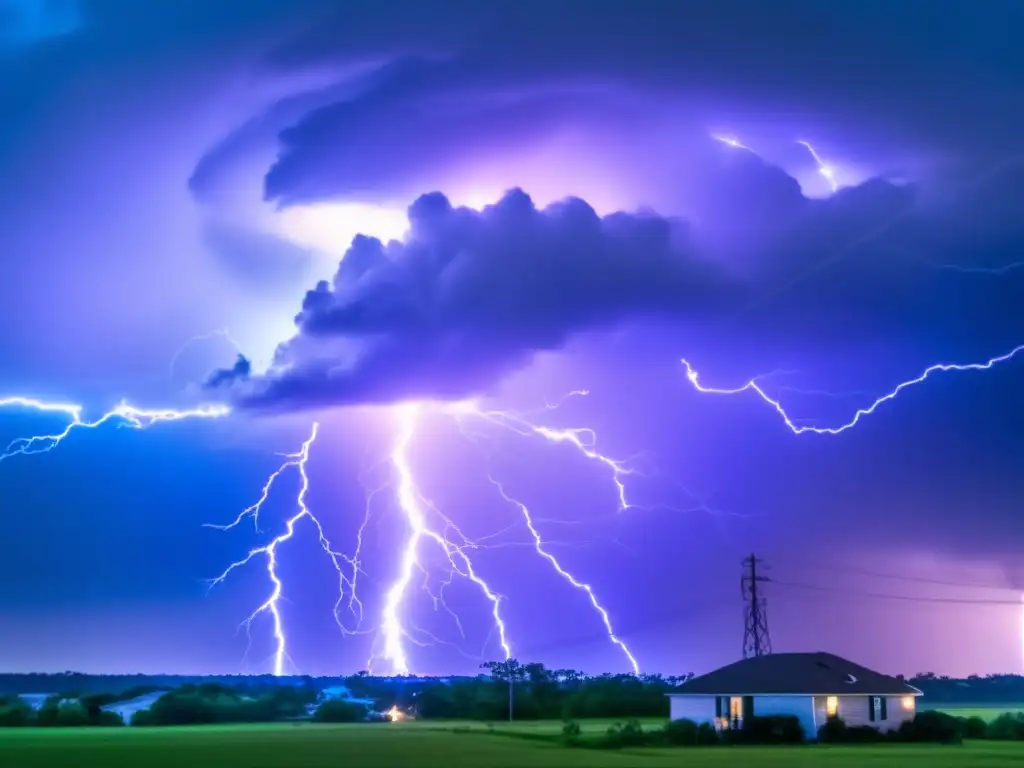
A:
(545, 198)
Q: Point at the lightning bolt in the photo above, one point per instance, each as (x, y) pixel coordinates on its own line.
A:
(416, 508)
(826, 171)
(970, 270)
(123, 414)
(268, 552)
(582, 439)
(222, 333)
(731, 141)
(752, 386)
(567, 576)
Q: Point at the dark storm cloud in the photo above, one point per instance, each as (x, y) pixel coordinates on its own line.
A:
(896, 85)
(471, 295)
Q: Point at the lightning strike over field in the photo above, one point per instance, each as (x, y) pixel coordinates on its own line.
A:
(416, 509)
(122, 414)
(752, 386)
(826, 171)
(567, 576)
(268, 552)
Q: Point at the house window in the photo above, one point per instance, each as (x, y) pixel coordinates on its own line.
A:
(736, 711)
(877, 709)
(907, 702)
(832, 706)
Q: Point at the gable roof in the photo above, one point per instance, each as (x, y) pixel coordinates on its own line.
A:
(795, 673)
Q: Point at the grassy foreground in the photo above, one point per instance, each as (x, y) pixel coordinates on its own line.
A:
(425, 745)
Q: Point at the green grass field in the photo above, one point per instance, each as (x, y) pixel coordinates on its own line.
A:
(426, 745)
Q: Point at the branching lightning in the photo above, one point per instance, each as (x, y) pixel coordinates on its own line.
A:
(752, 386)
(567, 576)
(826, 171)
(345, 566)
(220, 333)
(122, 414)
(416, 509)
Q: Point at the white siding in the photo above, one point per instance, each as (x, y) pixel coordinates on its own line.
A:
(854, 711)
(800, 707)
(699, 709)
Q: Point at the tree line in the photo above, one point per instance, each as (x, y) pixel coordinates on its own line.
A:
(524, 691)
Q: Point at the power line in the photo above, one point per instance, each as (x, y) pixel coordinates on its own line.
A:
(901, 577)
(905, 598)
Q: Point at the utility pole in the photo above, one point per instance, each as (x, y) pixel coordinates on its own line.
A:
(756, 640)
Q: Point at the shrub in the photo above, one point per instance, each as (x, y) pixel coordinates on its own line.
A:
(14, 712)
(932, 726)
(974, 728)
(571, 732)
(620, 735)
(339, 711)
(1009, 726)
(707, 735)
(142, 717)
(775, 729)
(836, 731)
(63, 714)
(681, 733)
(833, 730)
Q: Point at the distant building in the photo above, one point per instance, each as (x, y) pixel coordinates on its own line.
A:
(126, 709)
(809, 686)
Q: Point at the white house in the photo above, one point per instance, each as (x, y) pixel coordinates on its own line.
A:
(809, 686)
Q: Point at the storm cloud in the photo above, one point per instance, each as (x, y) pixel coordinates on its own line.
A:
(470, 295)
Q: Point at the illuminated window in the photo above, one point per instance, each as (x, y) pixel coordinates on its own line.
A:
(832, 706)
(907, 702)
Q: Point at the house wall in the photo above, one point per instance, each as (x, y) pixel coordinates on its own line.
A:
(800, 707)
(699, 709)
(854, 711)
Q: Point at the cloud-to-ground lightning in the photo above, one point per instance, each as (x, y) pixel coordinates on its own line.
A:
(561, 571)
(752, 386)
(825, 170)
(416, 509)
(123, 414)
(341, 563)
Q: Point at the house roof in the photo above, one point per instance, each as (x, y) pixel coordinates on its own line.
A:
(795, 673)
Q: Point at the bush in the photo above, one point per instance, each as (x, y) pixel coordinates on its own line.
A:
(681, 733)
(620, 735)
(974, 728)
(707, 735)
(571, 732)
(1009, 726)
(14, 712)
(62, 714)
(932, 726)
(775, 729)
(339, 711)
(837, 732)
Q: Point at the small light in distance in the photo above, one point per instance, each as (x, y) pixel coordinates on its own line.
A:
(395, 714)
(907, 702)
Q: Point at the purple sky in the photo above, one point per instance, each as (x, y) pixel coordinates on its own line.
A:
(561, 216)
